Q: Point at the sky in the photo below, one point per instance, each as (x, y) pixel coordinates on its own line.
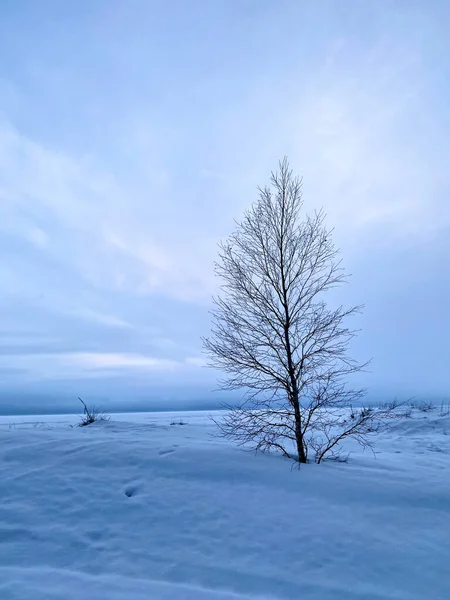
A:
(132, 134)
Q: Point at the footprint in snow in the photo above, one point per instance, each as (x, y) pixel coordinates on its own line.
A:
(164, 452)
(131, 490)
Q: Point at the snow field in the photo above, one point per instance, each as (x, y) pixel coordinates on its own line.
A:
(140, 509)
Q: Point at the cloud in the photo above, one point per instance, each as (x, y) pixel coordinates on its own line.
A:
(196, 361)
(123, 163)
(116, 361)
(348, 127)
(68, 365)
(99, 227)
(361, 129)
(104, 319)
(38, 237)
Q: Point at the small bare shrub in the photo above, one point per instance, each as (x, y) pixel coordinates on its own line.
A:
(393, 404)
(366, 411)
(425, 406)
(91, 415)
(402, 409)
(445, 409)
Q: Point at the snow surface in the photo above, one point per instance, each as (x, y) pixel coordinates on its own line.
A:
(138, 509)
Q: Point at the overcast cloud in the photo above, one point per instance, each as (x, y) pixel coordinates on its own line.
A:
(133, 133)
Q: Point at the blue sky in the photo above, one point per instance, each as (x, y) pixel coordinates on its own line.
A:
(133, 133)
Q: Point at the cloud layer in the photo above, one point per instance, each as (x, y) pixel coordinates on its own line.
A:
(131, 137)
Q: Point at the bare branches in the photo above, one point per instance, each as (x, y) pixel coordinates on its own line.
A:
(274, 336)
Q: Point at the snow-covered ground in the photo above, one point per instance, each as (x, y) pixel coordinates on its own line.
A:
(138, 509)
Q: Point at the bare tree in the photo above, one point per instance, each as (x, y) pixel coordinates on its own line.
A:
(274, 336)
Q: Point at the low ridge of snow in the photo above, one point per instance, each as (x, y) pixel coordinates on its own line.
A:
(138, 509)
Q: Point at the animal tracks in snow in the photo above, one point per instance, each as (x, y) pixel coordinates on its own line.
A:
(166, 451)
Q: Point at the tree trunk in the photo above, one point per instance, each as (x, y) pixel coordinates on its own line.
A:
(298, 430)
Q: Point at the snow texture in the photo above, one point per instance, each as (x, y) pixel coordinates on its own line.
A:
(138, 509)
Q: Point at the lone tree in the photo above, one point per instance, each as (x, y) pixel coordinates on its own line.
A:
(274, 336)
